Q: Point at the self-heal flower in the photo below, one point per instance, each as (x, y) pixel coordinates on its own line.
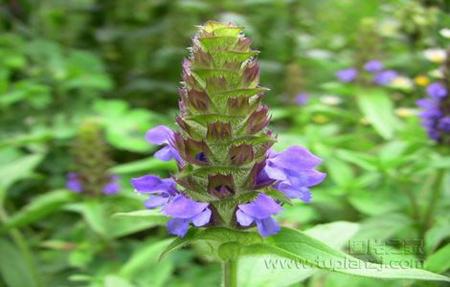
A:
(373, 66)
(162, 135)
(347, 75)
(260, 211)
(222, 146)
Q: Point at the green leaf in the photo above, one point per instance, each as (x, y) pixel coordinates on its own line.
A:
(439, 262)
(305, 250)
(13, 267)
(40, 207)
(377, 107)
(215, 234)
(336, 234)
(16, 169)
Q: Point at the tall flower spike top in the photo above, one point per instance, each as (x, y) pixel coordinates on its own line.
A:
(228, 175)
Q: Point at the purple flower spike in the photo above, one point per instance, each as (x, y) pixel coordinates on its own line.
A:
(436, 91)
(373, 66)
(384, 78)
(434, 113)
(73, 182)
(260, 211)
(112, 187)
(162, 135)
(347, 75)
(160, 190)
(185, 211)
(293, 172)
(444, 124)
(302, 99)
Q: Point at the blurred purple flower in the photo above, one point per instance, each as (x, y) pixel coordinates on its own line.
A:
(384, 78)
(302, 99)
(347, 75)
(260, 211)
(73, 182)
(373, 66)
(434, 114)
(113, 186)
(436, 91)
(444, 124)
(162, 135)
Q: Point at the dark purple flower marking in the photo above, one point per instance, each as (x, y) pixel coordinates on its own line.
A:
(260, 211)
(162, 135)
(347, 75)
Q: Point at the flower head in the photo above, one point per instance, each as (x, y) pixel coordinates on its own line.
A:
(347, 75)
(223, 144)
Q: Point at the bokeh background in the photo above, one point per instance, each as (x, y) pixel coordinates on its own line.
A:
(81, 81)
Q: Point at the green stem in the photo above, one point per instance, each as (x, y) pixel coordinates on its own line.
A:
(230, 273)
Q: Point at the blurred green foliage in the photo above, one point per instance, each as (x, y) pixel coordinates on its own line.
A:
(119, 61)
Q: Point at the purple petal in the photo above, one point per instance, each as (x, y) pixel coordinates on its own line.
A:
(73, 182)
(267, 226)
(436, 91)
(262, 207)
(306, 177)
(156, 201)
(301, 193)
(165, 154)
(296, 157)
(183, 207)
(178, 226)
(243, 218)
(274, 172)
(153, 184)
(203, 218)
(159, 135)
